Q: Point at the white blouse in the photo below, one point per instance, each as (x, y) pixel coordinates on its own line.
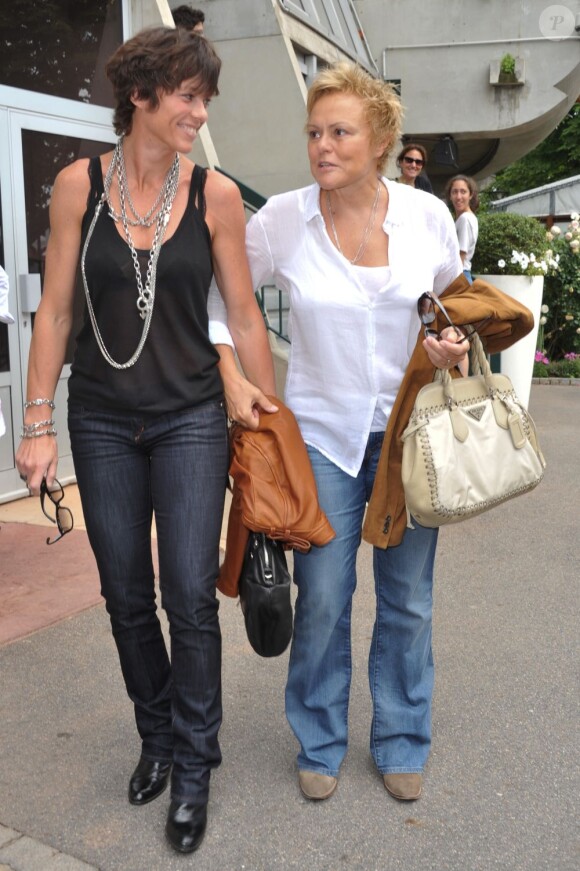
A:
(350, 348)
(467, 229)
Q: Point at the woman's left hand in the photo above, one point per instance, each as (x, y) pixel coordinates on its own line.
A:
(448, 351)
(245, 402)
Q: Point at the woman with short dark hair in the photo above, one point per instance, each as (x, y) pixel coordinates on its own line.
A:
(147, 415)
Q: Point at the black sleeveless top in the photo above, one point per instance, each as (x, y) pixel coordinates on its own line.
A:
(177, 367)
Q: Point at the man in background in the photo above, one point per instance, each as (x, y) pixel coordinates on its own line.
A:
(188, 18)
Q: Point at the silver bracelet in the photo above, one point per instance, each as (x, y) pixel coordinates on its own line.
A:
(35, 435)
(31, 427)
(31, 402)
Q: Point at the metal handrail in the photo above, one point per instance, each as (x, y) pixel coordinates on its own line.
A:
(251, 199)
(261, 297)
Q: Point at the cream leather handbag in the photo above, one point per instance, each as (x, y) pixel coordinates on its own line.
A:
(469, 445)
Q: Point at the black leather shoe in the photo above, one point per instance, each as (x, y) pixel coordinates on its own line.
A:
(148, 781)
(186, 824)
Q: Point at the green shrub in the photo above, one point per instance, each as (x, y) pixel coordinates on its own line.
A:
(502, 233)
(558, 369)
(561, 332)
(540, 370)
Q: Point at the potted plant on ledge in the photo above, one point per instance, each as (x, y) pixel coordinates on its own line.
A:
(509, 70)
(512, 254)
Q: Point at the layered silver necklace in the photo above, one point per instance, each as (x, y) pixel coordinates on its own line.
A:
(159, 214)
(118, 163)
(367, 230)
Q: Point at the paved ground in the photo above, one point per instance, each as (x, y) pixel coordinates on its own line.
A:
(501, 787)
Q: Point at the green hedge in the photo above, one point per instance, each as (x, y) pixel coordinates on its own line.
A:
(500, 233)
(558, 369)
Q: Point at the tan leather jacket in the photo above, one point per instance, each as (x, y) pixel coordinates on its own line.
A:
(386, 516)
(274, 492)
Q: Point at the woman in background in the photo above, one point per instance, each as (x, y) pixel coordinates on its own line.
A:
(411, 160)
(461, 193)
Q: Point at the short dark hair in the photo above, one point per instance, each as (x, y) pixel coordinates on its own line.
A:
(185, 16)
(159, 59)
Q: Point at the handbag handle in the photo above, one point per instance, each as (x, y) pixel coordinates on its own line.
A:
(479, 365)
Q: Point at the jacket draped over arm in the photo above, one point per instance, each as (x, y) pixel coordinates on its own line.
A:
(386, 516)
(274, 492)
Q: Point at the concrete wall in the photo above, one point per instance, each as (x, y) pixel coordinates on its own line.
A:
(257, 122)
(442, 52)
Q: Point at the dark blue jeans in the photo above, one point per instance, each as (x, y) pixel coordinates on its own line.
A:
(175, 467)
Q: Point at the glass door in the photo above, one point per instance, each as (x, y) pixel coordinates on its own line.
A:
(39, 146)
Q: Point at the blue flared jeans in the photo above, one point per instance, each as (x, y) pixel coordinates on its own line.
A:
(172, 466)
(400, 660)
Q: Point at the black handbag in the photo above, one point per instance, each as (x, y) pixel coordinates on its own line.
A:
(265, 595)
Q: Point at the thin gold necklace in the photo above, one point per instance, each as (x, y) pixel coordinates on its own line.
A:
(367, 231)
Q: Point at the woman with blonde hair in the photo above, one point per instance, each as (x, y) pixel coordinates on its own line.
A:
(354, 251)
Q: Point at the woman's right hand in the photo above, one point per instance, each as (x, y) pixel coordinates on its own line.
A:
(37, 459)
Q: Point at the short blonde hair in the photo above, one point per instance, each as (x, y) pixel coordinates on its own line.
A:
(382, 106)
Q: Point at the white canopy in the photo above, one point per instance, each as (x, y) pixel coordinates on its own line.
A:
(558, 198)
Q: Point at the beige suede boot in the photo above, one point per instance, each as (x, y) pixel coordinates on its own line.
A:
(404, 787)
(316, 786)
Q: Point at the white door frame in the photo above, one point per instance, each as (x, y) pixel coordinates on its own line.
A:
(24, 110)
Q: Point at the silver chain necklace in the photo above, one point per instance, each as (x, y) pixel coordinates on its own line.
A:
(118, 163)
(367, 231)
(146, 295)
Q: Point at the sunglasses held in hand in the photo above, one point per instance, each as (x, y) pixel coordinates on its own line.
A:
(426, 310)
(63, 516)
